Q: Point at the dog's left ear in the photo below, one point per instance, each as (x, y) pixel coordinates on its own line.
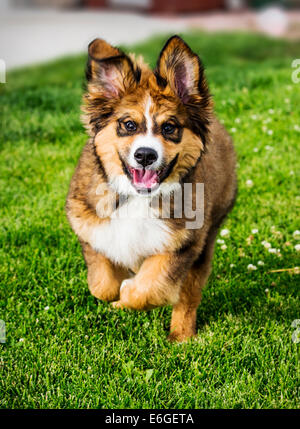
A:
(182, 69)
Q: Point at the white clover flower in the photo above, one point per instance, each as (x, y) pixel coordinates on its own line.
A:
(254, 117)
(260, 263)
(276, 233)
(46, 308)
(223, 247)
(266, 121)
(255, 149)
(249, 183)
(233, 130)
(21, 340)
(266, 244)
(273, 250)
(296, 235)
(296, 127)
(268, 147)
(297, 247)
(251, 267)
(224, 232)
(267, 290)
(271, 111)
(237, 120)
(286, 100)
(220, 241)
(292, 173)
(270, 132)
(254, 231)
(232, 265)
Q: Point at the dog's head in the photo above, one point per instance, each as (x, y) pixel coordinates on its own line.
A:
(148, 127)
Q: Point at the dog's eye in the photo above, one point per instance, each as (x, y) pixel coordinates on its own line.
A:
(168, 128)
(130, 126)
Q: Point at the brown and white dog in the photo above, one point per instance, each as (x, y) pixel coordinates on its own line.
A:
(151, 133)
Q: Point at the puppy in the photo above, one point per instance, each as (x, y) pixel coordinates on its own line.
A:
(153, 183)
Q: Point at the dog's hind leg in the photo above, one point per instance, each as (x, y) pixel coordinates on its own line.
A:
(184, 315)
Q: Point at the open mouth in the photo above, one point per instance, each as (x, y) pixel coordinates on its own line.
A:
(147, 180)
(143, 179)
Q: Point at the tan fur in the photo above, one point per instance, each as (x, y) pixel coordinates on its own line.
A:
(117, 86)
(150, 287)
(104, 278)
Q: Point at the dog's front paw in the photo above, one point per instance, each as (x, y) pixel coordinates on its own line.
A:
(119, 304)
(132, 296)
(125, 283)
(106, 291)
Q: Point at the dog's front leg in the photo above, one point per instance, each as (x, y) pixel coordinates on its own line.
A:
(104, 277)
(156, 284)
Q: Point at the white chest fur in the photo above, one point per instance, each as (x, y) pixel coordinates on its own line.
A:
(133, 233)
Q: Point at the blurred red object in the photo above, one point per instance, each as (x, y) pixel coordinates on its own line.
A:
(163, 6)
(96, 3)
(176, 6)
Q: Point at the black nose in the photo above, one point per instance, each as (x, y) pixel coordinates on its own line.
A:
(145, 156)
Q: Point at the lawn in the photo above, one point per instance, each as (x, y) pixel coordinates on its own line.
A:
(66, 349)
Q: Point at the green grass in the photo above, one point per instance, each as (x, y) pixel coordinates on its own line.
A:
(82, 353)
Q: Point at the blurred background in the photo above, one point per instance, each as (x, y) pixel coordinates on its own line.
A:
(33, 31)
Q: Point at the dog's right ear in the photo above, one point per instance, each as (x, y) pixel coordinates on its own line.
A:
(109, 71)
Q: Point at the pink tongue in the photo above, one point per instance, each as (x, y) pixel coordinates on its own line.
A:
(144, 178)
